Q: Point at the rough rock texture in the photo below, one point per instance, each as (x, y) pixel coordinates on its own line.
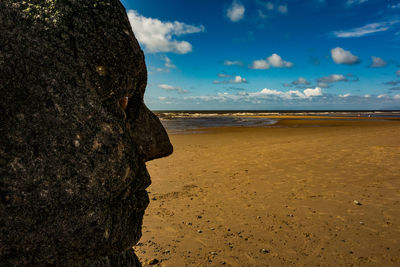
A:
(72, 160)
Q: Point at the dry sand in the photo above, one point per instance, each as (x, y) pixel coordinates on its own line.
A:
(278, 196)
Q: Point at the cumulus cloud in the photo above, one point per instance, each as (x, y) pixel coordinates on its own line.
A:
(309, 98)
(292, 94)
(301, 81)
(158, 36)
(260, 64)
(233, 63)
(171, 88)
(332, 78)
(317, 91)
(237, 80)
(282, 9)
(341, 56)
(223, 75)
(367, 29)
(274, 60)
(235, 12)
(397, 96)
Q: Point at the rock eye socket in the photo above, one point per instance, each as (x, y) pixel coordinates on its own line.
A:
(123, 102)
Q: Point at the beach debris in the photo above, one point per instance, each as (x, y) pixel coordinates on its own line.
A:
(199, 217)
(222, 262)
(362, 223)
(166, 251)
(153, 262)
(199, 231)
(213, 253)
(265, 251)
(357, 203)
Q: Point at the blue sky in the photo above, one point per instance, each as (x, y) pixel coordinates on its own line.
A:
(269, 54)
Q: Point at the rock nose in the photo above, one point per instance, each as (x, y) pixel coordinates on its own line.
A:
(149, 134)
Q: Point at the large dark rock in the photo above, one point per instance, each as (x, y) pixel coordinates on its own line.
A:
(72, 160)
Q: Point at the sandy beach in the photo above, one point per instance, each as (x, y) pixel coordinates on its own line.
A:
(300, 193)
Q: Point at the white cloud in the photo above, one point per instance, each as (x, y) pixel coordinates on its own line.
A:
(157, 36)
(235, 12)
(341, 56)
(398, 72)
(223, 75)
(233, 63)
(171, 88)
(355, 2)
(394, 6)
(397, 96)
(238, 79)
(345, 95)
(274, 60)
(377, 62)
(292, 94)
(313, 92)
(168, 63)
(367, 29)
(260, 64)
(282, 9)
(332, 78)
(382, 96)
(301, 80)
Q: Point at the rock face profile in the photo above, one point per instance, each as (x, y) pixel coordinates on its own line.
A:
(74, 134)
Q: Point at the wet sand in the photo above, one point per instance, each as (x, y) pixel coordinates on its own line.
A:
(304, 193)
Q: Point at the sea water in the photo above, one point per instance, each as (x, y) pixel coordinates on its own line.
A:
(183, 121)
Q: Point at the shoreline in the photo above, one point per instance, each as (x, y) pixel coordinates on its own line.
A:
(295, 122)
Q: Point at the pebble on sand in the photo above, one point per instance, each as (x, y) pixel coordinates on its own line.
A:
(265, 251)
(357, 203)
